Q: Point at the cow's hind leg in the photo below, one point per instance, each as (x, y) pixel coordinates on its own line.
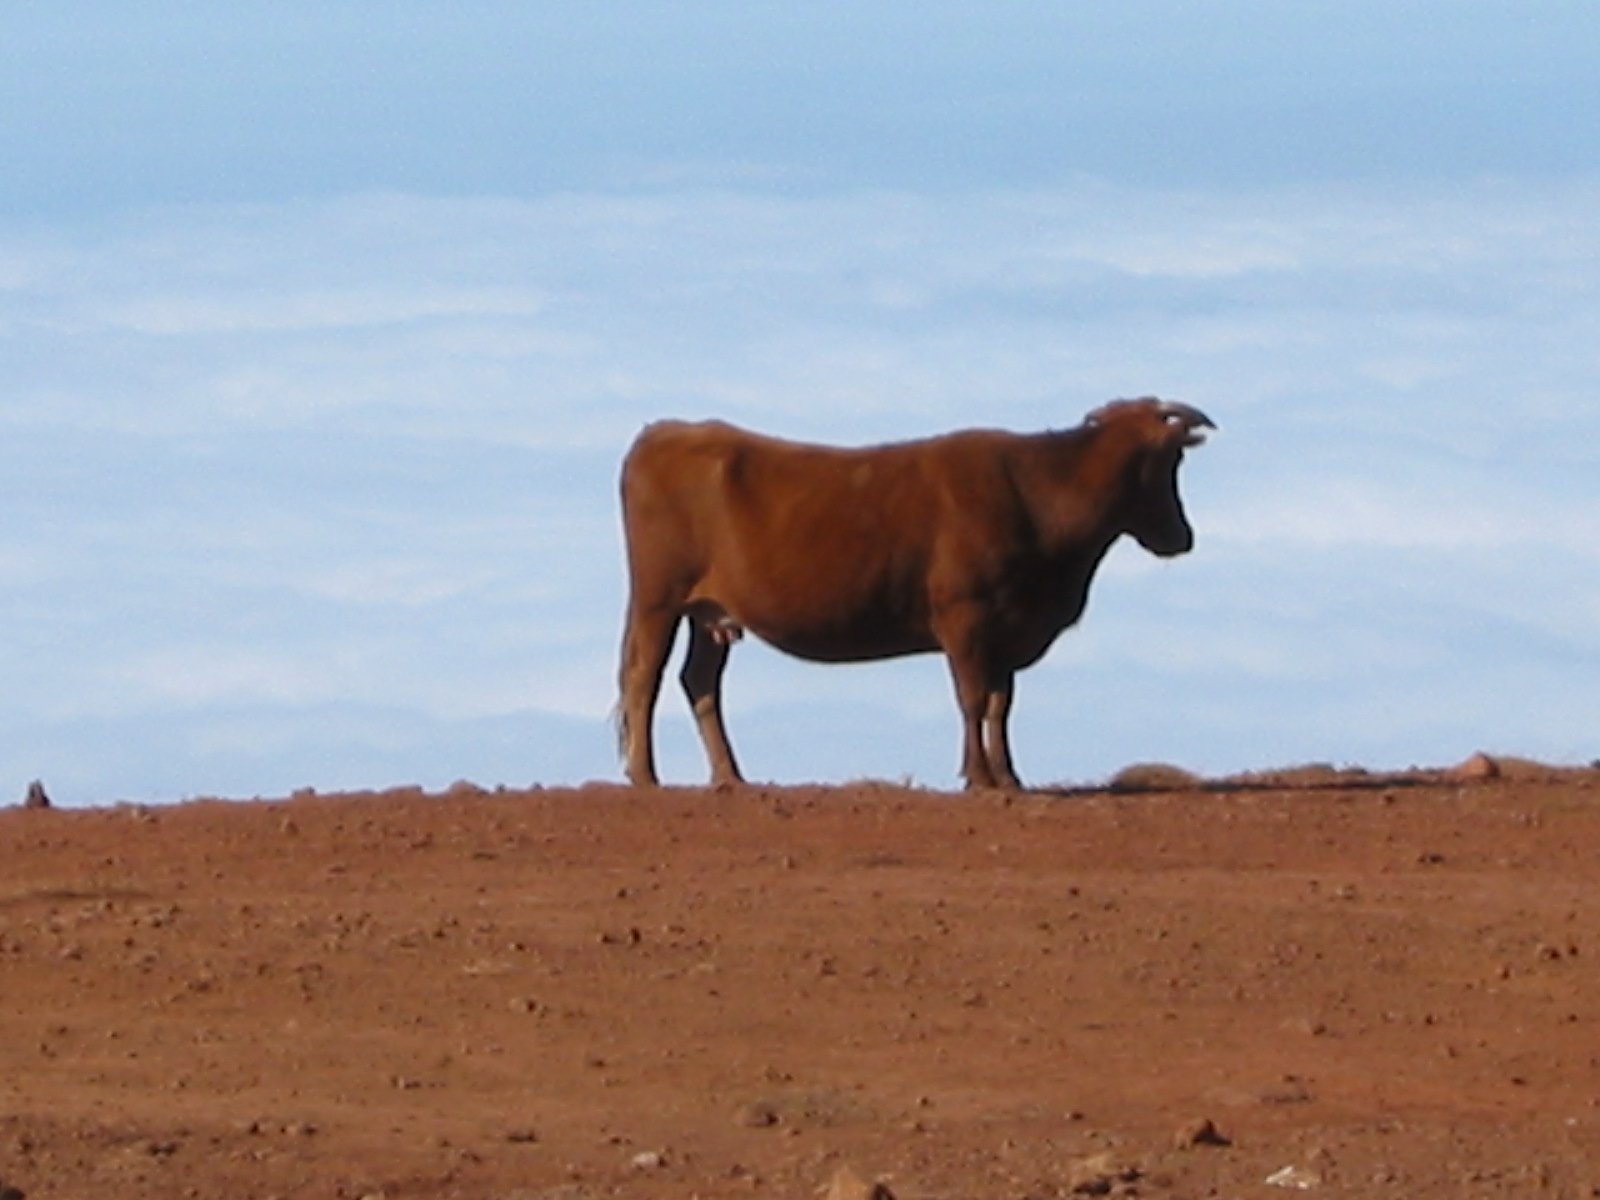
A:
(702, 684)
(645, 647)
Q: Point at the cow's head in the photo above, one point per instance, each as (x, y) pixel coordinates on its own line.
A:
(1162, 430)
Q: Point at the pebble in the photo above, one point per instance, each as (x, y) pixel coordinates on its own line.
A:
(1297, 1178)
(1097, 1174)
(756, 1115)
(1289, 1090)
(1201, 1131)
(1479, 766)
(1309, 1026)
(847, 1185)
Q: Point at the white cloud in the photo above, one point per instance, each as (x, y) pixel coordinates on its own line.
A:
(199, 675)
(408, 583)
(311, 310)
(1456, 509)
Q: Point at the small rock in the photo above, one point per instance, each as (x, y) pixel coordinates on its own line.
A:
(756, 1115)
(36, 798)
(847, 1185)
(1309, 1026)
(1298, 1178)
(1289, 1091)
(1097, 1174)
(1319, 1161)
(1201, 1131)
(1479, 766)
(1154, 777)
(649, 1160)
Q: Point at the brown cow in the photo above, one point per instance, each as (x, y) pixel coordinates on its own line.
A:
(980, 544)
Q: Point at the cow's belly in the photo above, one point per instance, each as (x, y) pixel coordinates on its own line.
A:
(845, 645)
(856, 615)
(1016, 638)
(851, 634)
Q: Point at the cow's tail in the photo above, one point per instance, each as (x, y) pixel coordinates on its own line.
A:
(619, 710)
(619, 728)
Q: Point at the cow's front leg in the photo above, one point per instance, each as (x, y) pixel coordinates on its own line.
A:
(996, 735)
(975, 767)
(963, 647)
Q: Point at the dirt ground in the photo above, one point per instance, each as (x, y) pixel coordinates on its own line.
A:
(1322, 983)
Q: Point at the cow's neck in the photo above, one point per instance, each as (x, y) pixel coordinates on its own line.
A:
(1076, 489)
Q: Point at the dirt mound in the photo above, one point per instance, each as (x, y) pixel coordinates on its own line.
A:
(1319, 980)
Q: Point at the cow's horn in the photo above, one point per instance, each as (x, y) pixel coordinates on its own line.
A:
(1191, 417)
(1188, 418)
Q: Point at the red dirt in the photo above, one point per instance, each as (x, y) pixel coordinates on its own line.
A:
(1390, 987)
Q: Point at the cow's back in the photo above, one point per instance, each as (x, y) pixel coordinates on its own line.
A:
(724, 481)
(823, 551)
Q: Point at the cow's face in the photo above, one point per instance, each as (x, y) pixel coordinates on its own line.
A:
(1155, 516)
(1157, 433)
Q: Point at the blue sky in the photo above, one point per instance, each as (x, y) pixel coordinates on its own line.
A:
(323, 327)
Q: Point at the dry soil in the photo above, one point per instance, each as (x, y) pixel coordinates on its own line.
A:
(1323, 983)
